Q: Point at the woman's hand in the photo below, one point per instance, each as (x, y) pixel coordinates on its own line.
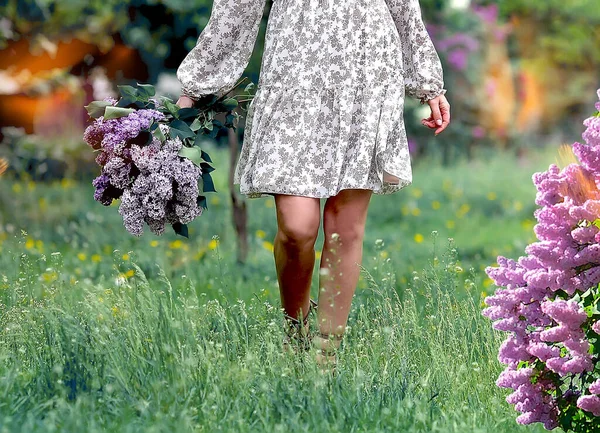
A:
(185, 102)
(440, 114)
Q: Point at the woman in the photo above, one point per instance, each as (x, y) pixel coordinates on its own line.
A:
(326, 122)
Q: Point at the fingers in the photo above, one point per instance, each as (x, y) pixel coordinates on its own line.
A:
(185, 102)
(445, 111)
(435, 111)
(440, 114)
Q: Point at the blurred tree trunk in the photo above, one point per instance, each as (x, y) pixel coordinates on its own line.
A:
(238, 204)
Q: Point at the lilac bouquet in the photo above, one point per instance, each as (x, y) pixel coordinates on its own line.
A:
(150, 155)
(549, 299)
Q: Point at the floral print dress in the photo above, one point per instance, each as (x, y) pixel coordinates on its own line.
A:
(327, 114)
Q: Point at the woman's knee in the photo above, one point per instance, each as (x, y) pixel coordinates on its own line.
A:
(298, 233)
(344, 221)
(298, 222)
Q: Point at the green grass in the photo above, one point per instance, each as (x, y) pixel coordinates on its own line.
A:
(101, 331)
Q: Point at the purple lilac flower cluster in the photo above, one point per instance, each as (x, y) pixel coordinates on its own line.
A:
(156, 185)
(539, 299)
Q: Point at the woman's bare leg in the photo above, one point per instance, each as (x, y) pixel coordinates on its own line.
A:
(298, 220)
(344, 221)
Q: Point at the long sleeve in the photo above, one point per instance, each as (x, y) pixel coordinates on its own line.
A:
(423, 74)
(223, 49)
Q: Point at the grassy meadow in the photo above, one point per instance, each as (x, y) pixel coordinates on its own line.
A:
(104, 332)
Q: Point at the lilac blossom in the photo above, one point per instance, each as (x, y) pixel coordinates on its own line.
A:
(535, 301)
(156, 185)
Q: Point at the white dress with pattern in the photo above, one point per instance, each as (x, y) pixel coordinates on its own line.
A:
(328, 110)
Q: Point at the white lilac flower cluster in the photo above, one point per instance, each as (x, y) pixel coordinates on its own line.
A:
(156, 186)
(548, 300)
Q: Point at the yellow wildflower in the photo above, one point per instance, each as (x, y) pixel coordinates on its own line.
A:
(267, 245)
(154, 243)
(29, 244)
(176, 244)
(125, 256)
(416, 192)
(462, 211)
(419, 238)
(213, 244)
(416, 211)
(260, 233)
(82, 256)
(96, 258)
(435, 205)
(450, 224)
(129, 273)
(491, 195)
(17, 188)
(66, 183)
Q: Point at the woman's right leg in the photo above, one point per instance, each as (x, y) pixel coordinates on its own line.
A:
(298, 220)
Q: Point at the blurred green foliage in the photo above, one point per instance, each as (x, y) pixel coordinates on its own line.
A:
(569, 30)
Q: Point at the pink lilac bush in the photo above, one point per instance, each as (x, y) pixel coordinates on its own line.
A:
(547, 300)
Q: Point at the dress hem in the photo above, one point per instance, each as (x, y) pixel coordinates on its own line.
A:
(388, 188)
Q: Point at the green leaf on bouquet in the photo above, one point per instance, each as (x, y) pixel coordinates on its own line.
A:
(117, 112)
(196, 125)
(158, 134)
(201, 202)
(128, 91)
(181, 129)
(230, 104)
(206, 157)
(96, 108)
(207, 183)
(206, 167)
(188, 113)
(208, 125)
(194, 154)
(148, 90)
(173, 108)
(181, 229)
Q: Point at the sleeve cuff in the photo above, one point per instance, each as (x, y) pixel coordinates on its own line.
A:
(427, 96)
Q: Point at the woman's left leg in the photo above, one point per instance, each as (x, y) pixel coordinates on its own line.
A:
(344, 220)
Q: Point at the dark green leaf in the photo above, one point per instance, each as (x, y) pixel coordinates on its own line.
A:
(181, 129)
(206, 157)
(188, 113)
(206, 167)
(207, 183)
(96, 108)
(201, 201)
(181, 229)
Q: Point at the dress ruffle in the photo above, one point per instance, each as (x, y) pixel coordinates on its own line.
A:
(363, 125)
